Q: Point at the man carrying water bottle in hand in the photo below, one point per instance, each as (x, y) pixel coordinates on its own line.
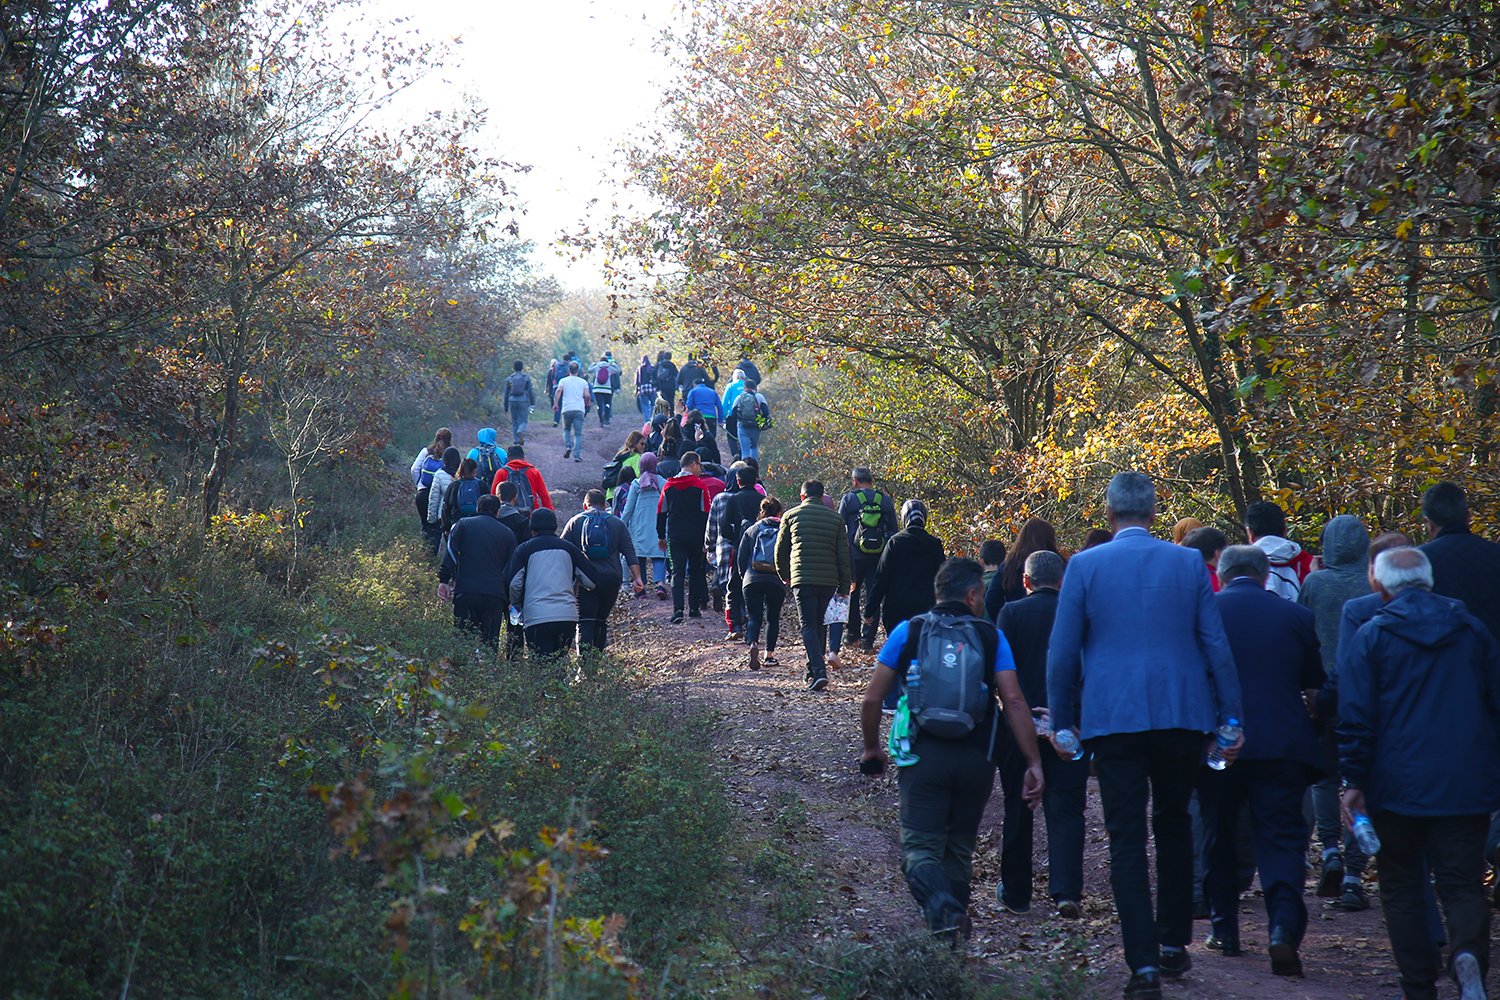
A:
(954, 663)
(1419, 750)
(1275, 646)
(1139, 667)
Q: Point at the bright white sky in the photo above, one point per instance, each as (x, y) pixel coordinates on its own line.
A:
(565, 82)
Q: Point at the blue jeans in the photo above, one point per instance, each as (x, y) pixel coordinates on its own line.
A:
(519, 414)
(573, 430)
(749, 441)
(647, 406)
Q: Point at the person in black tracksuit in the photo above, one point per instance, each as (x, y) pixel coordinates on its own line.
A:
(474, 562)
(740, 511)
(666, 379)
(861, 563)
(902, 584)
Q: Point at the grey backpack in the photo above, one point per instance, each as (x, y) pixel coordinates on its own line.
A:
(951, 696)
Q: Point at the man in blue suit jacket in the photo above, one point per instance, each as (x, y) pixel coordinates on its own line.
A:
(1139, 640)
(1277, 658)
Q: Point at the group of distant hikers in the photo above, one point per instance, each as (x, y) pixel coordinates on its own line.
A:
(1240, 689)
(490, 521)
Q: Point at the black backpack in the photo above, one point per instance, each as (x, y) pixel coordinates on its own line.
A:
(525, 498)
(489, 464)
(612, 473)
(952, 696)
(869, 537)
(664, 373)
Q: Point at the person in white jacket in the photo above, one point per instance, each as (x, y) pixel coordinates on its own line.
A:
(440, 480)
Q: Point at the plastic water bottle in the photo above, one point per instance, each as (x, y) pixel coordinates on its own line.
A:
(1225, 737)
(913, 681)
(1068, 741)
(1364, 833)
(1043, 725)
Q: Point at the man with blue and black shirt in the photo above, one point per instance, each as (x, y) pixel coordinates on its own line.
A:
(944, 791)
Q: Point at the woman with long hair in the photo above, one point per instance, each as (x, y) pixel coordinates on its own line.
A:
(1036, 535)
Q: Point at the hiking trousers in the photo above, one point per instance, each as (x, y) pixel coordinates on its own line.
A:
(862, 570)
(942, 799)
(482, 615)
(573, 431)
(812, 605)
(520, 414)
(550, 638)
(1454, 847)
(604, 402)
(689, 568)
(594, 607)
(763, 611)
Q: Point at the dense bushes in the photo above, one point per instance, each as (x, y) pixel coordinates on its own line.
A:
(154, 779)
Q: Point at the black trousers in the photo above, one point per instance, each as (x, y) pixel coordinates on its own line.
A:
(482, 614)
(1160, 763)
(689, 568)
(862, 568)
(1063, 797)
(763, 610)
(942, 798)
(605, 402)
(734, 602)
(594, 607)
(1274, 790)
(1454, 847)
(812, 605)
(550, 638)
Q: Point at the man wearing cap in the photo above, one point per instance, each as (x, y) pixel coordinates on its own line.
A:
(542, 579)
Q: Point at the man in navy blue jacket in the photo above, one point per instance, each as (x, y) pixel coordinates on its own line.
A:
(474, 562)
(1138, 641)
(1464, 566)
(1276, 655)
(1419, 751)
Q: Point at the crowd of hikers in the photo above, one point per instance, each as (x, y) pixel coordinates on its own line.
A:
(1256, 695)
(490, 523)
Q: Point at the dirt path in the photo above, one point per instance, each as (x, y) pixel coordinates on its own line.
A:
(781, 744)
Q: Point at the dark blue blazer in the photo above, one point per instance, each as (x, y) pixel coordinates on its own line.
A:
(1277, 657)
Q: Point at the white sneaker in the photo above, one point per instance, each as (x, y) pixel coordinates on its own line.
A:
(1470, 980)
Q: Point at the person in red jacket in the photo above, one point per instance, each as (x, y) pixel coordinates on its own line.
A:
(518, 463)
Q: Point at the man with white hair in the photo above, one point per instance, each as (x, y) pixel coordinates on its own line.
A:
(1419, 751)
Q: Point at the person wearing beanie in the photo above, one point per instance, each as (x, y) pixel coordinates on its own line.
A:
(542, 580)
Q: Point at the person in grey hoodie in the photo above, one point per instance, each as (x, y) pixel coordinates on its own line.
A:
(1344, 576)
(541, 579)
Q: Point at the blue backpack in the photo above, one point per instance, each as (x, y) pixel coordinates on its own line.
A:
(596, 536)
(467, 499)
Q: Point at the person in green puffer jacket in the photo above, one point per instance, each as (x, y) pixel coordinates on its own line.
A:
(812, 554)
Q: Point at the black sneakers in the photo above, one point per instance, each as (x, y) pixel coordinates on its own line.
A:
(1143, 986)
(1330, 882)
(1175, 961)
(817, 683)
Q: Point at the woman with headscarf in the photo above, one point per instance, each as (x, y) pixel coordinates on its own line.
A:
(639, 516)
(903, 582)
(1182, 527)
(1036, 535)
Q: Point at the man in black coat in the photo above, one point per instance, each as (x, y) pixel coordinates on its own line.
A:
(1277, 658)
(1465, 567)
(473, 569)
(1027, 625)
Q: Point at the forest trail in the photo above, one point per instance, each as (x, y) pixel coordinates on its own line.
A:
(782, 745)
